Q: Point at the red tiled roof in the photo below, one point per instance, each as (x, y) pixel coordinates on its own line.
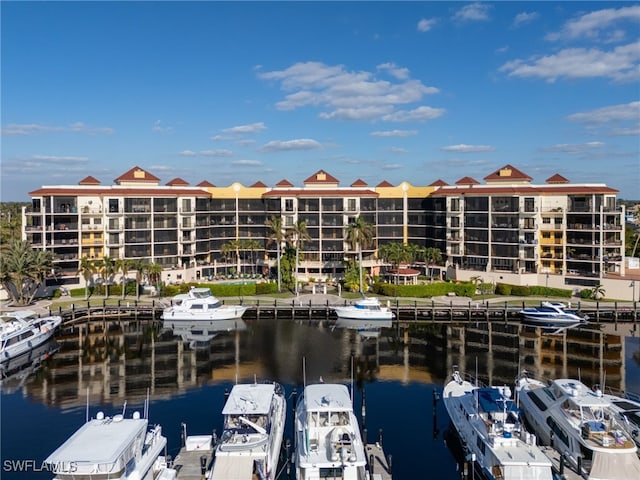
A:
(438, 183)
(407, 272)
(359, 183)
(525, 190)
(384, 183)
(284, 183)
(119, 191)
(557, 178)
(137, 174)
(259, 184)
(321, 177)
(89, 180)
(467, 181)
(205, 183)
(507, 173)
(177, 181)
(320, 192)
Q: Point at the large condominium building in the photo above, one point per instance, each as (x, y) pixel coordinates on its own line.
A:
(508, 228)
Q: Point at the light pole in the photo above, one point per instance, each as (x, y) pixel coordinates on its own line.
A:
(633, 294)
(546, 284)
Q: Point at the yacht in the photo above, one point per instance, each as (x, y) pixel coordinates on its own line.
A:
(579, 423)
(489, 425)
(254, 420)
(200, 304)
(553, 315)
(114, 448)
(328, 443)
(627, 410)
(365, 308)
(198, 333)
(22, 331)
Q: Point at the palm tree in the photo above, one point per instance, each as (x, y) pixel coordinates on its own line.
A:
(137, 264)
(276, 235)
(123, 265)
(231, 248)
(87, 269)
(154, 271)
(394, 253)
(107, 270)
(297, 235)
(359, 234)
(432, 256)
(597, 292)
(23, 269)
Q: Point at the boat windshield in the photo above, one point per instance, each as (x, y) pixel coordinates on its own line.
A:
(200, 293)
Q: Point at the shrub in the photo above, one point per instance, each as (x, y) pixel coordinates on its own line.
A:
(503, 289)
(586, 294)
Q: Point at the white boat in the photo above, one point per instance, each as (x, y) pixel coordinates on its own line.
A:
(627, 410)
(23, 330)
(198, 333)
(114, 448)
(579, 423)
(552, 315)
(365, 328)
(366, 308)
(489, 425)
(200, 304)
(254, 421)
(328, 443)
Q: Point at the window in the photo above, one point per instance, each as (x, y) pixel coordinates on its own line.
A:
(113, 205)
(351, 204)
(288, 204)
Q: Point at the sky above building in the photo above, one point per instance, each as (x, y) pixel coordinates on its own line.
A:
(266, 91)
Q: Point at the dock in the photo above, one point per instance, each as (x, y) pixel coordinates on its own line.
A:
(564, 470)
(379, 466)
(194, 458)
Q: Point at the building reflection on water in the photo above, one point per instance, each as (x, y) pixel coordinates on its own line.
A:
(114, 362)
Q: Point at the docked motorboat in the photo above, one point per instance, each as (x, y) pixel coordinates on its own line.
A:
(489, 425)
(552, 315)
(580, 424)
(112, 447)
(365, 308)
(627, 409)
(198, 333)
(200, 304)
(23, 330)
(254, 421)
(328, 443)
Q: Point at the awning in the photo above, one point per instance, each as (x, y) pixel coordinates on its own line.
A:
(232, 468)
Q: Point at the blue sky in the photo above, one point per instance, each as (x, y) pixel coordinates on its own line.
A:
(248, 91)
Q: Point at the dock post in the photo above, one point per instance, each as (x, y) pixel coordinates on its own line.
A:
(371, 463)
(561, 470)
(287, 447)
(275, 309)
(203, 465)
(380, 437)
(390, 462)
(579, 459)
(415, 310)
(294, 397)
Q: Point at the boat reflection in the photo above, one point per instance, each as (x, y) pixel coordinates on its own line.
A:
(365, 328)
(198, 333)
(15, 371)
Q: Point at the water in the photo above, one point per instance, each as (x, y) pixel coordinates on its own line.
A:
(398, 369)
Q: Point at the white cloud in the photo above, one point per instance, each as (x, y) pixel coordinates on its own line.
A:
(417, 114)
(464, 148)
(594, 25)
(398, 150)
(188, 153)
(394, 133)
(35, 129)
(426, 24)
(627, 111)
(576, 148)
(245, 129)
(393, 69)
(347, 95)
(619, 64)
(59, 159)
(247, 163)
(391, 166)
(525, 17)
(216, 153)
(158, 127)
(289, 145)
(473, 12)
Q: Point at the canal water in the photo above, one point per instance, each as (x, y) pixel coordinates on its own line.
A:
(399, 369)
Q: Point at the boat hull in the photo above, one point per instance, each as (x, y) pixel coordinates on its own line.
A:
(41, 331)
(230, 312)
